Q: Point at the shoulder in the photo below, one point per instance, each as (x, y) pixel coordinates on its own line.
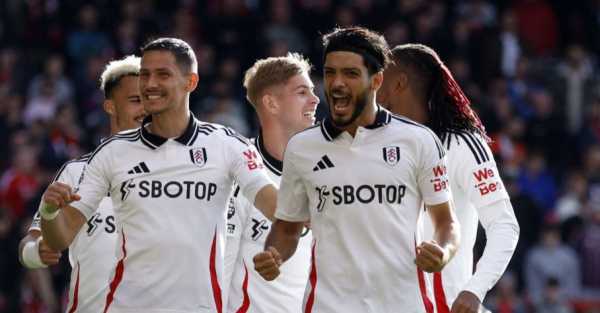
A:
(418, 132)
(132, 135)
(72, 167)
(468, 146)
(406, 124)
(310, 134)
(205, 129)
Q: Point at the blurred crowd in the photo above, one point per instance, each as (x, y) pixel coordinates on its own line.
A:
(530, 68)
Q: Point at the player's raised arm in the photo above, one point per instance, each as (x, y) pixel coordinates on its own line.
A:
(60, 221)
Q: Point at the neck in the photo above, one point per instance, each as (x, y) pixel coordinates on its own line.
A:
(367, 117)
(275, 139)
(171, 123)
(407, 104)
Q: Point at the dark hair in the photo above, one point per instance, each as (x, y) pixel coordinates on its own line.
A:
(184, 54)
(369, 44)
(447, 106)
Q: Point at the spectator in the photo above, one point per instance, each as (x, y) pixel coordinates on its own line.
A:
(551, 259)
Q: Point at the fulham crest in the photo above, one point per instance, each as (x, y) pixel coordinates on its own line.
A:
(391, 155)
(198, 156)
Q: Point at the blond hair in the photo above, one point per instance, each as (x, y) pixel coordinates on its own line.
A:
(115, 70)
(272, 71)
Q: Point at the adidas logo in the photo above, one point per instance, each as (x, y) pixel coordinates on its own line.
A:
(324, 163)
(140, 168)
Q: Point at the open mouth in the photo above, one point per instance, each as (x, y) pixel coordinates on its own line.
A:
(341, 102)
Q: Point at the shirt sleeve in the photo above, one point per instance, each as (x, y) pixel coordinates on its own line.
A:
(292, 199)
(479, 178)
(246, 166)
(502, 233)
(68, 174)
(432, 174)
(93, 183)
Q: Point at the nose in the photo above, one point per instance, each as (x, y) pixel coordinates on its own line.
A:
(150, 81)
(337, 81)
(314, 99)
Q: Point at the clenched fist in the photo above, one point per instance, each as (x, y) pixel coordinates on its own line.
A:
(431, 257)
(56, 196)
(267, 263)
(47, 255)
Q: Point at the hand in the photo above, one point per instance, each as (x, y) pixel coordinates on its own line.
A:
(466, 302)
(431, 257)
(267, 263)
(56, 196)
(47, 255)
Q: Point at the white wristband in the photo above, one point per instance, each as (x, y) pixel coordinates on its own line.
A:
(45, 213)
(31, 255)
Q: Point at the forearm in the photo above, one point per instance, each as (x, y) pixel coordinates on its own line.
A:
(502, 233)
(447, 235)
(284, 237)
(60, 231)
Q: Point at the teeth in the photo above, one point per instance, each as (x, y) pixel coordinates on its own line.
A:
(154, 97)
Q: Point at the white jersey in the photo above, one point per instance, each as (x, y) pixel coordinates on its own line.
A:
(92, 254)
(247, 231)
(363, 196)
(170, 200)
(476, 183)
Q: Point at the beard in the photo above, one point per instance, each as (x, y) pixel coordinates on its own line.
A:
(361, 103)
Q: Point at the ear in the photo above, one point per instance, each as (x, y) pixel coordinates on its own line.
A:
(109, 107)
(377, 80)
(192, 82)
(269, 103)
(401, 81)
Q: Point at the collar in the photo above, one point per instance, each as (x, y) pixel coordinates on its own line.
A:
(154, 141)
(276, 166)
(330, 131)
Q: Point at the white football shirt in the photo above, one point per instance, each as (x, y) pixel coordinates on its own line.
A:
(247, 231)
(476, 183)
(363, 196)
(92, 254)
(170, 197)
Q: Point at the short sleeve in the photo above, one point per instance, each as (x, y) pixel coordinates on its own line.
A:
(432, 176)
(246, 166)
(292, 200)
(93, 183)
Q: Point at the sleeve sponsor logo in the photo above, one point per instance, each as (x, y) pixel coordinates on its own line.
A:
(252, 160)
(484, 185)
(440, 180)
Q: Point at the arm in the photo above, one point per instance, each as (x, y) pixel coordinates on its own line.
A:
(266, 201)
(60, 226)
(432, 256)
(35, 253)
(502, 233)
(279, 247)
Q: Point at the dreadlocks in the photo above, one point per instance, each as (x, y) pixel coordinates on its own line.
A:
(447, 106)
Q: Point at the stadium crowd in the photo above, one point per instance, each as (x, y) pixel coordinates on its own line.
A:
(530, 68)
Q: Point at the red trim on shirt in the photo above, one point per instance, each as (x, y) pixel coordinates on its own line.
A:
(313, 282)
(75, 292)
(246, 303)
(214, 280)
(440, 295)
(118, 276)
(423, 289)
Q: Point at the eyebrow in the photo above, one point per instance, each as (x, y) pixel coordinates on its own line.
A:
(304, 86)
(342, 69)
